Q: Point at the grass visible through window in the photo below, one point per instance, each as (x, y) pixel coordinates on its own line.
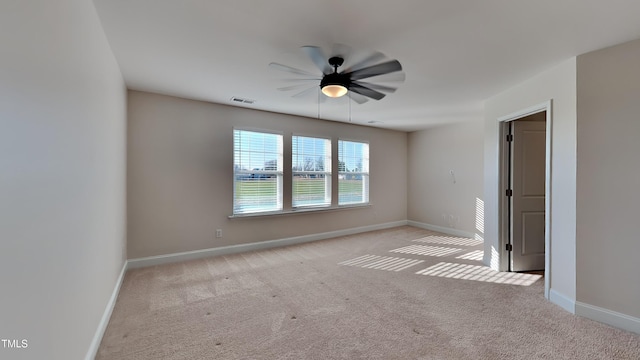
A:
(249, 189)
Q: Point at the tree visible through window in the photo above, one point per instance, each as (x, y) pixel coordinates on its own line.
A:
(311, 171)
(257, 172)
(353, 172)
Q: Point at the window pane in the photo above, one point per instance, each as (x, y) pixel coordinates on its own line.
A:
(311, 169)
(257, 172)
(353, 172)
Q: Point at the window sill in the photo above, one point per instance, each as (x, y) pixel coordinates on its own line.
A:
(299, 211)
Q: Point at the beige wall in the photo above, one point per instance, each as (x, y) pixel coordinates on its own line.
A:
(559, 85)
(434, 198)
(608, 200)
(180, 179)
(62, 176)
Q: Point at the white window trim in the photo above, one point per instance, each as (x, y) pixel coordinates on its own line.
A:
(327, 173)
(286, 194)
(368, 172)
(279, 173)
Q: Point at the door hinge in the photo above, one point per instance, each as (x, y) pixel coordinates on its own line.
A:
(509, 192)
(509, 247)
(510, 137)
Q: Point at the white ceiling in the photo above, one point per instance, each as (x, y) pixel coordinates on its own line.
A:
(455, 53)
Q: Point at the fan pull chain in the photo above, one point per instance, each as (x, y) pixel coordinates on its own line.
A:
(349, 100)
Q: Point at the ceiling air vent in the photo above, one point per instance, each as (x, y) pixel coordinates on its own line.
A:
(241, 100)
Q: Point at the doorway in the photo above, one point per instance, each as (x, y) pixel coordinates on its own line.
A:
(525, 191)
(525, 187)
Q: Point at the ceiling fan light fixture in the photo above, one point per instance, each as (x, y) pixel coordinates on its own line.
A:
(336, 84)
(334, 90)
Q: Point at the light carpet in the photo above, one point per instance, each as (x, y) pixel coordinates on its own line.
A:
(401, 293)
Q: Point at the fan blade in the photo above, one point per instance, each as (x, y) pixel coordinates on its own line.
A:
(378, 87)
(394, 77)
(305, 92)
(357, 97)
(322, 98)
(318, 58)
(363, 90)
(291, 69)
(292, 87)
(300, 80)
(375, 70)
(368, 61)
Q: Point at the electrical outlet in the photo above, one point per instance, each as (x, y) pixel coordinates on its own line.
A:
(218, 233)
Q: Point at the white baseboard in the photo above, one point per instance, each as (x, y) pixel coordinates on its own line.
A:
(234, 249)
(442, 229)
(609, 317)
(562, 300)
(106, 316)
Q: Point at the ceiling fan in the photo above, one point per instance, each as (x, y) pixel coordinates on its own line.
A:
(335, 83)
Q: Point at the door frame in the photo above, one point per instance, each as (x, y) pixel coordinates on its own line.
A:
(503, 176)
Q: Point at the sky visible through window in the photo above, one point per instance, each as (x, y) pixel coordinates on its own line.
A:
(257, 151)
(352, 154)
(311, 154)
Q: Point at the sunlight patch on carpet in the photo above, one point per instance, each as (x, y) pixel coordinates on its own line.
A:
(426, 250)
(450, 240)
(478, 273)
(387, 263)
(475, 255)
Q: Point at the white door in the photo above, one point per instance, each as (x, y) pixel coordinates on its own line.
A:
(528, 193)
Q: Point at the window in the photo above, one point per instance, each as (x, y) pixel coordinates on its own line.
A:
(311, 171)
(353, 172)
(257, 172)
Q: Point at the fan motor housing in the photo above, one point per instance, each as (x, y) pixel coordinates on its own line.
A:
(336, 79)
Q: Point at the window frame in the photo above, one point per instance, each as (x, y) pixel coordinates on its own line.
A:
(327, 172)
(365, 173)
(278, 173)
(285, 176)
